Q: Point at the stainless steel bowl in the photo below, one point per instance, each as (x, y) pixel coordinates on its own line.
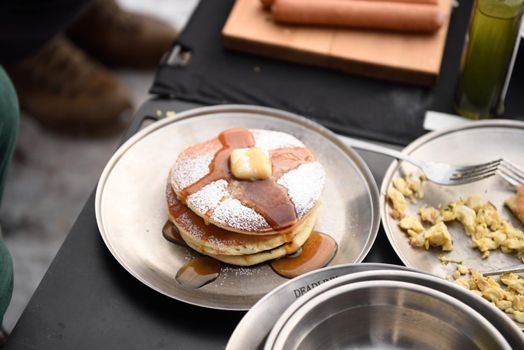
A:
(387, 315)
(253, 329)
(501, 321)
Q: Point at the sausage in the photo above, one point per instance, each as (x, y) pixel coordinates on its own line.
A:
(432, 2)
(387, 15)
(267, 3)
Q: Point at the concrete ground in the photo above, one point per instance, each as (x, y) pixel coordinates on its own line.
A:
(52, 176)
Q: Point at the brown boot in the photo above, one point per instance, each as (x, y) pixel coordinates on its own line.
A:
(120, 38)
(65, 90)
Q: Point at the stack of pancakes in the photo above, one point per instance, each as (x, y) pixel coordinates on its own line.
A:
(245, 222)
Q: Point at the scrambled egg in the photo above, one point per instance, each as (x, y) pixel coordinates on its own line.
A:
(398, 202)
(430, 215)
(509, 300)
(402, 186)
(438, 236)
(486, 227)
(408, 187)
(481, 222)
(466, 216)
(415, 184)
(411, 224)
(448, 213)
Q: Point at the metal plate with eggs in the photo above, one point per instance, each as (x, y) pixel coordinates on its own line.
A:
(473, 143)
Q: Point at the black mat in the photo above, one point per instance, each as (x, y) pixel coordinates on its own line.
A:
(347, 104)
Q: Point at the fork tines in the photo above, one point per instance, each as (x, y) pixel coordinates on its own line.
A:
(511, 173)
(476, 172)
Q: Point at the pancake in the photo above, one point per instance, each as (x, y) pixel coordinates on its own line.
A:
(201, 179)
(275, 253)
(211, 239)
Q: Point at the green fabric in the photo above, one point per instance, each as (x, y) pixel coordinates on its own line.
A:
(9, 118)
(6, 279)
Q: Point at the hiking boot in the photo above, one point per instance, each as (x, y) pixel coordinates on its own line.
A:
(121, 38)
(65, 90)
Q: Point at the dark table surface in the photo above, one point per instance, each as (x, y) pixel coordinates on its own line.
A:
(87, 300)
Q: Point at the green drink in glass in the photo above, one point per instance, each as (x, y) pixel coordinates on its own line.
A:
(492, 38)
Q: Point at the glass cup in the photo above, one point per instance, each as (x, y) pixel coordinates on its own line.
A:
(492, 43)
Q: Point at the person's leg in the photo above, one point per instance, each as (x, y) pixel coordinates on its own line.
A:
(6, 283)
(103, 28)
(55, 82)
(9, 115)
(66, 90)
(27, 25)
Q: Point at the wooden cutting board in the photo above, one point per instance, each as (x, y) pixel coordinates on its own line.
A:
(404, 57)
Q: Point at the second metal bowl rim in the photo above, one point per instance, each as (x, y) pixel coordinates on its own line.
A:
(380, 284)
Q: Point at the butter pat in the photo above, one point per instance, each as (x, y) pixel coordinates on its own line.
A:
(250, 164)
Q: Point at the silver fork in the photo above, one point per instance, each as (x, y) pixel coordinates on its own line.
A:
(440, 173)
(514, 269)
(511, 173)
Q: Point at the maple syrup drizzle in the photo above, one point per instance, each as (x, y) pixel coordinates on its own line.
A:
(317, 252)
(219, 167)
(198, 272)
(170, 232)
(177, 209)
(286, 159)
(266, 197)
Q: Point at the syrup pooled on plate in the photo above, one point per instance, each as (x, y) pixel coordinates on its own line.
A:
(317, 252)
(198, 272)
(170, 232)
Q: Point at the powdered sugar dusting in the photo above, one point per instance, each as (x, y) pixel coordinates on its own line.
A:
(234, 214)
(304, 186)
(188, 169)
(217, 245)
(208, 197)
(185, 221)
(270, 140)
(239, 270)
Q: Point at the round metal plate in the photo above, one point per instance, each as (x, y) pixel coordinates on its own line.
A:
(475, 143)
(131, 210)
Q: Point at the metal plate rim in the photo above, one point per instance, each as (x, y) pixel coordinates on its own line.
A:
(196, 112)
(393, 167)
